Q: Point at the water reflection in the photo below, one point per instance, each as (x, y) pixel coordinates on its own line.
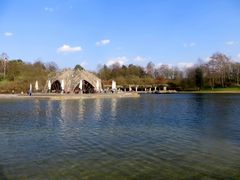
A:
(37, 106)
(63, 120)
(2, 175)
(166, 136)
(81, 109)
(49, 109)
(63, 109)
(114, 108)
(98, 108)
(218, 116)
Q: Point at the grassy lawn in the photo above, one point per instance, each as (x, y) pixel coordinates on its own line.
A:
(4, 82)
(224, 89)
(217, 90)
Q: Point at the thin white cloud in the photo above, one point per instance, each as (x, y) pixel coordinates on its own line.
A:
(160, 64)
(48, 9)
(121, 60)
(189, 45)
(207, 59)
(183, 65)
(139, 59)
(238, 57)
(83, 63)
(8, 34)
(103, 42)
(68, 49)
(232, 43)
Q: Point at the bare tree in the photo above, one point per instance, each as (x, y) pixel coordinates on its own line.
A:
(150, 69)
(219, 69)
(115, 66)
(52, 66)
(4, 59)
(165, 72)
(235, 67)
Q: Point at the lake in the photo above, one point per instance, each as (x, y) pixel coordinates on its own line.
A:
(171, 136)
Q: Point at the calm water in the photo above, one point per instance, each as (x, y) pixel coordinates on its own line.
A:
(152, 137)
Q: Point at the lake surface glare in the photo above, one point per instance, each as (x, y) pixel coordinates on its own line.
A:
(177, 136)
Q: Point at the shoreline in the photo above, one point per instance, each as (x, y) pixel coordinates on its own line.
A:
(191, 92)
(209, 92)
(69, 96)
(101, 95)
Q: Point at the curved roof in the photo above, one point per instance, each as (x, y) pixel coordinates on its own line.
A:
(72, 79)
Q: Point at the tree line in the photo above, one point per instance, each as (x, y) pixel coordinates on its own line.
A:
(16, 75)
(219, 71)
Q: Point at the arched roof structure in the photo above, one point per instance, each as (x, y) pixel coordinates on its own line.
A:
(70, 79)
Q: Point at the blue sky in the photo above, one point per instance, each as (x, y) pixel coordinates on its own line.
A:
(93, 32)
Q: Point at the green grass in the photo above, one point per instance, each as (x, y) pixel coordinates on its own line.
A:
(223, 89)
(216, 90)
(3, 82)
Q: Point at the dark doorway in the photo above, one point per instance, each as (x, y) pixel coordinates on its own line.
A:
(87, 88)
(56, 87)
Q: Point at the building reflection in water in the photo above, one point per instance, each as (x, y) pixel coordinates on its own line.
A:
(37, 107)
(98, 108)
(63, 110)
(113, 108)
(49, 109)
(81, 109)
(65, 116)
(72, 110)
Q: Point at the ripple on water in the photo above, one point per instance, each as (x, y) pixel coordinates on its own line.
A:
(152, 137)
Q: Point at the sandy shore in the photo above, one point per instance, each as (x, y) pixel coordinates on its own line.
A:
(69, 96)
(103, 95)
